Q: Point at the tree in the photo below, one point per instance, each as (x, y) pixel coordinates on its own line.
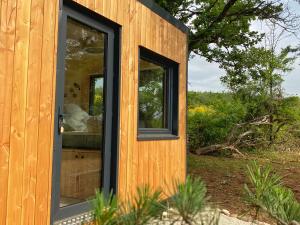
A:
(220, 31)
(258, 69)
(256, 77)
(151, 100)
(218, 27)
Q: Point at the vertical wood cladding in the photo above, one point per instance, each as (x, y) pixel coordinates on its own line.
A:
(28, 47)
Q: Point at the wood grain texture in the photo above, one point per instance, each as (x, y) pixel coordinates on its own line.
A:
(28, 54)
(46, 113)
(26, 90)
(7, 47)
(18, 114)
(32, 112)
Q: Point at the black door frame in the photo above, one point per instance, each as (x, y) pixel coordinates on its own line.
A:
(111, 114)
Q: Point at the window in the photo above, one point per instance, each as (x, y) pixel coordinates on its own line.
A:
(96, 95)
(158, 96)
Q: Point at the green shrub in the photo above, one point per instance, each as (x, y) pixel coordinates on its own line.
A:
(190, 201)
(211, 122)
(143, 208)
(213, 116)
(267, 193)
(105, 209)
(189, 204)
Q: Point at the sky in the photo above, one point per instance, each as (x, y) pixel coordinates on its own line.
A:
(204, 76)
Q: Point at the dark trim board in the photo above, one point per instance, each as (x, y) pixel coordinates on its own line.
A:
(165, 15)
(157, 137)
(116, 109)
(186, 102)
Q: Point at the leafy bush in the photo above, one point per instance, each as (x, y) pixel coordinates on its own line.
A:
(206, 98)
(267, 193)
(211, 117)
(216, 118)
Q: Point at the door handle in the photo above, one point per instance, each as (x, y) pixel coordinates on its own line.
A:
(61, 128)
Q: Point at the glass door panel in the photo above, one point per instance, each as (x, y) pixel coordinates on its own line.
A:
(83, 108)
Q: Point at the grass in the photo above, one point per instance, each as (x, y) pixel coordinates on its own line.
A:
(225, 177)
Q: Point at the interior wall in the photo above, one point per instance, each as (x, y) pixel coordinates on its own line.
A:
(28, 53)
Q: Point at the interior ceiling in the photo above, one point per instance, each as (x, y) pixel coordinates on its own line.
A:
(146, 65)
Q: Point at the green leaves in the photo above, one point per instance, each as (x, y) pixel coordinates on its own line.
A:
(267, 193)
(190, 200)
(144, 207)
(216, 26)
(189, 204)
(255, 76)
(262, 180)
(257, 67)
(105, 209)
(211, 117)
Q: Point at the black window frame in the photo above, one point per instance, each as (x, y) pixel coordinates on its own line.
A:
(171, 101)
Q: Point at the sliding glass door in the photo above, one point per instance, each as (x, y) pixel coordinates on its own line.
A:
(82, 154)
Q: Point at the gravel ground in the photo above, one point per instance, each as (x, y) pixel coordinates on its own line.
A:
(227, 220)
(224, 219)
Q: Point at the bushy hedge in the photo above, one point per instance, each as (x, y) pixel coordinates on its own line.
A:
(211, 117)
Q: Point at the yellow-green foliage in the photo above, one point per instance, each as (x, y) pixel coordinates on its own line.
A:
(98, 98)
(202, 109)
(211, 116)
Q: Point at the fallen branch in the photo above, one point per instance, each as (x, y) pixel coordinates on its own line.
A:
(216, 148)
(234, 143)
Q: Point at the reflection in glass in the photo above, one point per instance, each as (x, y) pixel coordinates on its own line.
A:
(96, 95)
(152, 95)
(81, 165)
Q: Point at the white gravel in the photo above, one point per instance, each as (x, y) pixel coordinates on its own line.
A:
(227, 220)
(224, 219)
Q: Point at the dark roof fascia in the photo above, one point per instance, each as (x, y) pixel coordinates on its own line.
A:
(165, 15)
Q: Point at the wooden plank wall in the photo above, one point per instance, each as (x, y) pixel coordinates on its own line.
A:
(27, 75)
(28, 42)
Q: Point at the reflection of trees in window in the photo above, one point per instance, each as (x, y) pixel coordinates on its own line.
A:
(96, 95)
(82, 40)
(151, 96)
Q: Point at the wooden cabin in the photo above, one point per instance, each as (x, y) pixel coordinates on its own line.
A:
(92, 96)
